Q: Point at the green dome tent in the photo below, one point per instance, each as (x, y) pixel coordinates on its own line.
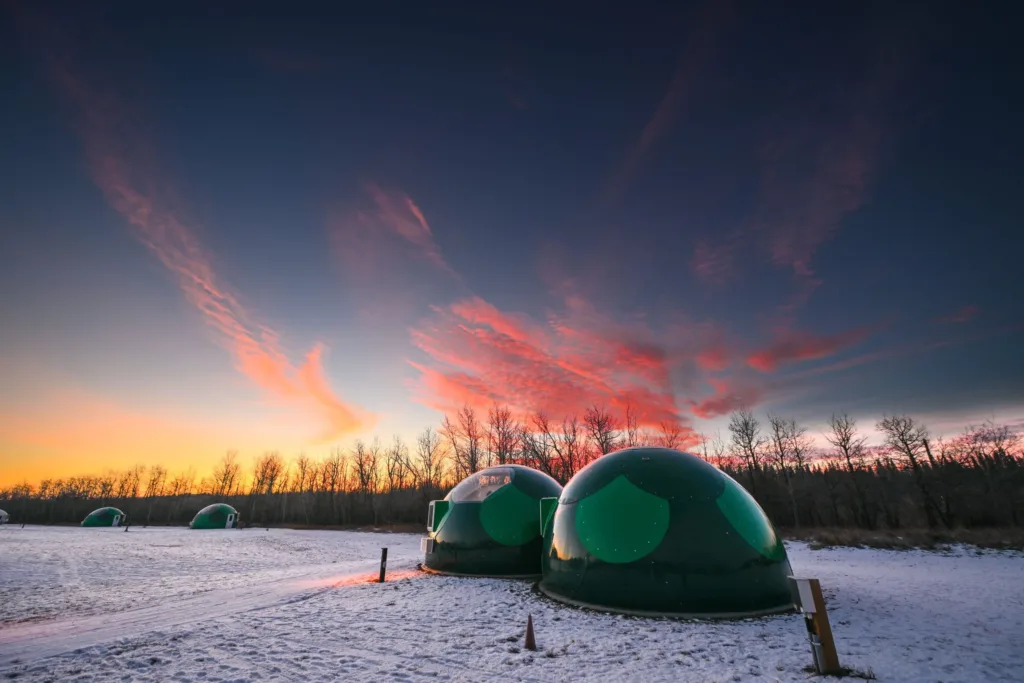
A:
(104, 517)
(661, 532)
(216, 516)
(4, 517)
(489, 525)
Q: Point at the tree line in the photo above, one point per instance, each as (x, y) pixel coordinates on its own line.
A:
(911, 480)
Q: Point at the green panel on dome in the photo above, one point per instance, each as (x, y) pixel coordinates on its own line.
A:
(715, 554)
(216, 516)
(749, 520)
(509, 516)
(492, 523)
(655, 470)
(439, 510)
(620, 522)
(107, 516)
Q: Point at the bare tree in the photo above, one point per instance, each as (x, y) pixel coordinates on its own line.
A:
(366, 460)
(429, 460)
(602, 428)
(396, 464)
(502, 434)
(718, 450)
(332, 475)
(633, 436)
(225, 474)
(747, 443)
(267, 472)
(155, 484)
(671, 435)
(570, 447)
(537, 442)
(465, 436)
(703, 447)
(129, 482)
(156, 481)
(906, 440)
(787, 446)
(850, 448)
(303, 482)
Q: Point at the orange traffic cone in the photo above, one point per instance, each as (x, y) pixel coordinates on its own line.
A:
(531, 642)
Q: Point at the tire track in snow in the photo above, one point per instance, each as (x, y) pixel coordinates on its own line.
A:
(30, 641)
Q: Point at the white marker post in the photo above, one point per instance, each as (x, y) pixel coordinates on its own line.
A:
(810, 601)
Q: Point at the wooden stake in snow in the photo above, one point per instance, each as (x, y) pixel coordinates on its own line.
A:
(383, 564)
(531, 642)
(810, 601)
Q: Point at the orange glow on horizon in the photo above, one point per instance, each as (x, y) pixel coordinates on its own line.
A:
(77, 433)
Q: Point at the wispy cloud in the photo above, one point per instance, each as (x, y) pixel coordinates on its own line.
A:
(812, 181)
(394, 213)
(792, 347)
(703, 42)
(120, 162)
(479, 355)
(819, 163)
(714, 263)
(965, 314)
(729, 395)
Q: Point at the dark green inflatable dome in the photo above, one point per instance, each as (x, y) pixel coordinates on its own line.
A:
(659, 531)
(216, 516)
(489, 525)
(107, 516)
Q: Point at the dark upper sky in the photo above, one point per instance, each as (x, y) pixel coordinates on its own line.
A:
(287, 228)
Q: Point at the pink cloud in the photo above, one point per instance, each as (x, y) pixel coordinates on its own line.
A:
(481, 355)
(397, 212)
(713, 264)
(792, 347)
(728, 396)
(714, 358)
(804, 205)
(120, 164)
(702, 46)
(817, 172)
(963, 315)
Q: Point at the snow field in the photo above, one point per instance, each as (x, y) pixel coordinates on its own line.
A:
(252, 605)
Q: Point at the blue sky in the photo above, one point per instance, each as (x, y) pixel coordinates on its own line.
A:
(292, 229)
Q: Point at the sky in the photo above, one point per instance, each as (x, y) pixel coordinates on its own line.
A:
(289, 228)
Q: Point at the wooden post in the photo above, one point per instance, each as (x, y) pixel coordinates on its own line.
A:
(531, 642)
(812, 604)
(383, 564)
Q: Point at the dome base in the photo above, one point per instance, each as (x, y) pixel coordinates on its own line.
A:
(705, 616)
(517, 577)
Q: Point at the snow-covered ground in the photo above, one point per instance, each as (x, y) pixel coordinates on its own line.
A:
(178, 605)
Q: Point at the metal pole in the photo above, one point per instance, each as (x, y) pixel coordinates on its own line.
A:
(383, 564)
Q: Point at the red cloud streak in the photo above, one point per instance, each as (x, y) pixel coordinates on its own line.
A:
(398, 213)
(481, 355)
(727, 398)
(793, 347)
(963, 315)
(117, 160)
